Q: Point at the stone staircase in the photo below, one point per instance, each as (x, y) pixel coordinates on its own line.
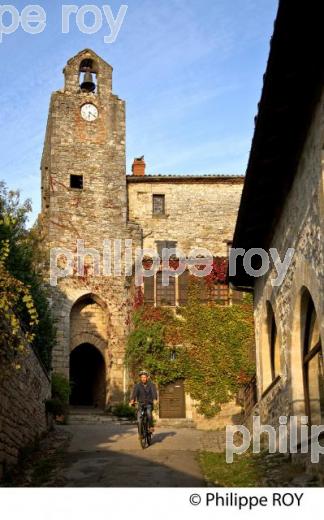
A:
(87, 415)
(175, 423)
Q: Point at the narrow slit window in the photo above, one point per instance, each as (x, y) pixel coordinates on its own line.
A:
(76, 181)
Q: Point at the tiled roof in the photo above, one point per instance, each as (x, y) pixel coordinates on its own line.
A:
(182, 177)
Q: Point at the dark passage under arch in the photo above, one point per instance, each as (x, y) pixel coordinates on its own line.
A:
(87, 375)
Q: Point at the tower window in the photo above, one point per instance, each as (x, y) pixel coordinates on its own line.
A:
(76, 181)
(158, 204)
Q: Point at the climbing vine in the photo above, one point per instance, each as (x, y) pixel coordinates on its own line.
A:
(148, 347)
(208, 345)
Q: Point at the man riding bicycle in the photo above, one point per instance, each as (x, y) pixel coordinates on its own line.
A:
(145, 394)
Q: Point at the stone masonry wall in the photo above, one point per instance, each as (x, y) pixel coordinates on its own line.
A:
(197, 213)
(22, 408)
(300, 227)
(98, 212)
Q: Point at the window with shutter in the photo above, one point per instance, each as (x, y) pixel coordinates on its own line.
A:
(158, 204)
(183, 281)
(149, 290)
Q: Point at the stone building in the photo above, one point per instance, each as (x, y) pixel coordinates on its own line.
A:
(282, 207)
(87, 196)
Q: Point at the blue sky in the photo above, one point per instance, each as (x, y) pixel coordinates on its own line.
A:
(189, 70)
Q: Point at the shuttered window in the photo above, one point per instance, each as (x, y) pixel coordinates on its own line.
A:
(158, 204)
(149, 290)
(183, 281)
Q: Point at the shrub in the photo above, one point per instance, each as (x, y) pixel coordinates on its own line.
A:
(24, 298)
(60, 388)
(124, 410)
(55, 407)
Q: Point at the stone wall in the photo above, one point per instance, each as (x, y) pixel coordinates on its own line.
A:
(94, 150)
(198, 212)
(22, 407)
(230, 413)
(300, 227)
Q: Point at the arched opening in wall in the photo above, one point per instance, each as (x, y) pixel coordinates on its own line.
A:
(274, 345)
(88, 76)
(88, 345)
(87, 376)
(269, 349)
(313, 369)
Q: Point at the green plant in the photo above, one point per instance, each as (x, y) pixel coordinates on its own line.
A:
(60, 388)
(55, 407)
(245, 471)
(149, 346)
(208, 345)
(23, 296)
(219, 341)
(124, 410)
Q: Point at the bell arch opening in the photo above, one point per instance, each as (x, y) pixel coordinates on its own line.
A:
(88, 76)
(87, 376)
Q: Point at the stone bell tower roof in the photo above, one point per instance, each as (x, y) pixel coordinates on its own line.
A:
(87, 54)
(95, 64)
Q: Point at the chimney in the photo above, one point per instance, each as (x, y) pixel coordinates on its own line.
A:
(138, 167)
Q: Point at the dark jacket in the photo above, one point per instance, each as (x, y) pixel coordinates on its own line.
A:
(144, 394)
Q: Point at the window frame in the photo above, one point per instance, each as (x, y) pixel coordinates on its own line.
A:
(155, 196)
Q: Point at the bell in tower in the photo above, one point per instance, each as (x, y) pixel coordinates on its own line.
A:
(88, 84)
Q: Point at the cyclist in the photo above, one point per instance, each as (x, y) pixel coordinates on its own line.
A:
(144, 393)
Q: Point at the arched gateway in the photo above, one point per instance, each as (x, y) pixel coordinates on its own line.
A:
(88, 346)
(87, 376)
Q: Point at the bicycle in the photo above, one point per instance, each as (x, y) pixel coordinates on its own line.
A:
(145, 436)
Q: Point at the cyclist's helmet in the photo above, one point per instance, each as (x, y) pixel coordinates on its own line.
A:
(143, 373)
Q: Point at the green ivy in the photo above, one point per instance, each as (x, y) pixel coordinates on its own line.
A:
(148, 349)
(208, 345)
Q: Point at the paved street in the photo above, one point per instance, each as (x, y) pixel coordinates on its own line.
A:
(109, 454)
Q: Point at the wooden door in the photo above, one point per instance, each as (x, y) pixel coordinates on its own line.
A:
(172, 401)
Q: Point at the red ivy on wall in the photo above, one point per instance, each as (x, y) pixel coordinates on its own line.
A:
(219, 271)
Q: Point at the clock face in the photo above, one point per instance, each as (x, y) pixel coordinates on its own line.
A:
(89, 112)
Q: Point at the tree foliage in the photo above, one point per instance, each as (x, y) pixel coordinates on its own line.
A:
(24, 306)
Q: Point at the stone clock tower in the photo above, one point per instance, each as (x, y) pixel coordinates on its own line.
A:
(84, 198)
